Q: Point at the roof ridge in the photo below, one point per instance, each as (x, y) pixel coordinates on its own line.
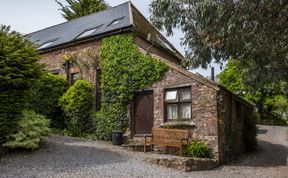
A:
(76, 19)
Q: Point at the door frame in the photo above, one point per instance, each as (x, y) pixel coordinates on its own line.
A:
(133, 112)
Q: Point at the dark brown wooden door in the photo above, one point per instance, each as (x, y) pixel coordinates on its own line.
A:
(143, 112)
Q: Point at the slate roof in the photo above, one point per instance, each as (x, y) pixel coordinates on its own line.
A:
(70, 31)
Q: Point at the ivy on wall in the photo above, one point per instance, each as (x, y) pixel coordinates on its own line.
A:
(125, 69)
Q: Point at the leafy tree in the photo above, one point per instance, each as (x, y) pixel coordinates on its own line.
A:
(79, 8)
(18, 73)
(45, 98)
(221, 30)
(270, 98)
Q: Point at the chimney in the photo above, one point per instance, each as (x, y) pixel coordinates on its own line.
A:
(212, 74)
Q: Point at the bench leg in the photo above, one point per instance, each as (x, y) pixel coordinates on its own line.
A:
(144, 145)
(181, 151)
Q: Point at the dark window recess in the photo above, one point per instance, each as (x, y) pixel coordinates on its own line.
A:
(178, 104)
(98, 78)
(98, 90)
(98, 101)
(55, 71)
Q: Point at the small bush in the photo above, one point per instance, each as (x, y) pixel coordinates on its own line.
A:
(45, 98)
(32, 128)
(199, 149)
(77, 106)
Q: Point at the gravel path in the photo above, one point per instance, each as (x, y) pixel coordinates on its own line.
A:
(71, 157)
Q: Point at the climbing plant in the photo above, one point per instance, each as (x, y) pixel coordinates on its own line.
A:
(125, 69)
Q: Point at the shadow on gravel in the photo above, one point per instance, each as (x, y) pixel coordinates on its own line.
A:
(60, 154)
(262, 131)
(267, 155)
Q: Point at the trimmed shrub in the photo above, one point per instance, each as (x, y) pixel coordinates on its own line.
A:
(18, 72)
(46, 96)
(199, 149)
(77, 106)
(32, 128)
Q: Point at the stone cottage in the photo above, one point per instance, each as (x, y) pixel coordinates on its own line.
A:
(210, 112)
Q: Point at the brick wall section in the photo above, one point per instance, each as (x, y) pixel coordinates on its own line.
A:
(53, 59)
(204, 106)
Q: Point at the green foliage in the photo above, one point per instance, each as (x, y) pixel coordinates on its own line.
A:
(79, 8)
(77, 106)
(125, 69)
(18, 73)
(32, 128)
(250, 133)
(109, 118)
(45, 98)
(269, 98)
(221, 30)
(199, 149)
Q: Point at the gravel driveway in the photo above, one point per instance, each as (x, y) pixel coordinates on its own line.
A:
(71, 157)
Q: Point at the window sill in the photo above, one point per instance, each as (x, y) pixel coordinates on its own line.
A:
(179, 124)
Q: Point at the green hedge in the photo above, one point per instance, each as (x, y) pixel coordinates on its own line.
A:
(77, 106)
(45, 98)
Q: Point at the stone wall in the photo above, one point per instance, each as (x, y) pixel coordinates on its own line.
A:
(232, 112)
(185, 164)
(204, 107)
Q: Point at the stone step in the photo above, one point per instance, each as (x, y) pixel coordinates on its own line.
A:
(134, 147)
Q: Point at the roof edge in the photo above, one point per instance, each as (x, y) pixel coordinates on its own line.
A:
(177, 52)
(202, 80)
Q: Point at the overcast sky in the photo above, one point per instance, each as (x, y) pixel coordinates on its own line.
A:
(26, 16)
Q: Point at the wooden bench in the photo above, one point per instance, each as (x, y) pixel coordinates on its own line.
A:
(167, 137)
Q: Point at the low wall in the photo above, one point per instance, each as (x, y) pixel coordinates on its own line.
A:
(186, 164)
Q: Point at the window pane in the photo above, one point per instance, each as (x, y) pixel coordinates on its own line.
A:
(185, 94)
(185, 110)
(172, 111)
(171, 96)
(88, 32)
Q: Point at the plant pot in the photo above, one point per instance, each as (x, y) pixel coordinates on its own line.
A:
(117, 137)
